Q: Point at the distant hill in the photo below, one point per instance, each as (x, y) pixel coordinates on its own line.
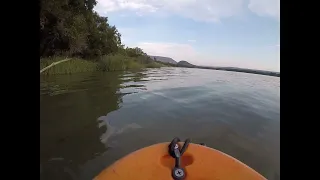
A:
(164, 59)
(185, 64)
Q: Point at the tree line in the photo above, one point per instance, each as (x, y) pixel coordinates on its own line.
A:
(72, 28)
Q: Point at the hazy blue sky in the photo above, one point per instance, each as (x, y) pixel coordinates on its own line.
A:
(241, 33)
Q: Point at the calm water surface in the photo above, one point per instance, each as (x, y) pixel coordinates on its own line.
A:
(87, 121)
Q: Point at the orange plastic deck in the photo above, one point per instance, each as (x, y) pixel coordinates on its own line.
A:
(199, 162)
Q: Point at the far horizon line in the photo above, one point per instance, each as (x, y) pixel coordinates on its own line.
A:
(213, 66)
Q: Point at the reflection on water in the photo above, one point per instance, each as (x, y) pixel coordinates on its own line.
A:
(87, 121)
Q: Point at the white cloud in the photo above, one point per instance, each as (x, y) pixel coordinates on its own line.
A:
(269, 8)
(191, 40)
(104, 6)
(202, 10)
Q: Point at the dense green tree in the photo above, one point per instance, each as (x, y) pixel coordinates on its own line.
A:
(71, 27)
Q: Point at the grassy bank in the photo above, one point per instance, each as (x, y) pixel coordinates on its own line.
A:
(104, 63)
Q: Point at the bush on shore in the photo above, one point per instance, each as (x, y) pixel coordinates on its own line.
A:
(116, 62)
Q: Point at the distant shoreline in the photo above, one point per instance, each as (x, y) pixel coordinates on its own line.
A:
(251, 71)
(234, 69)
(171, 62)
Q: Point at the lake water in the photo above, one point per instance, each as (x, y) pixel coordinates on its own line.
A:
(87, 121)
